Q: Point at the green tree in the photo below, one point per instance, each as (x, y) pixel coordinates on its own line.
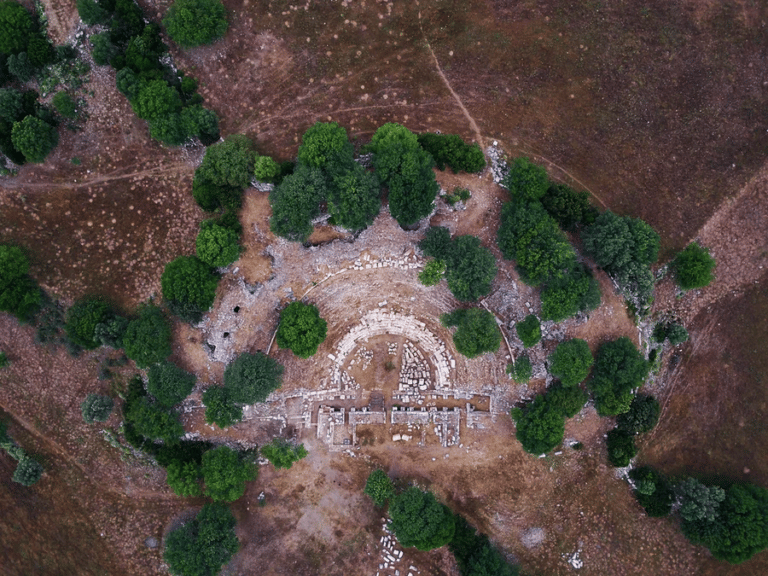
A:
(217, 245)
(576, 291)
(110, 331)
(301, 329)
(477, 331)
(419, 520)
(432, 273)
(4, 361)
(621, 447)
(250, 378)
(103, 52)
(21, 66)
(92, 13)
(325, 145)
(354, 199)
(436, 243)
(571, 361)
(699, 502)
(282, 454)
(220, 409)
(168, 383)
(470, 269)
(619, 368)
(96, 408)
(540, 425)
(83, 317)
(741, 528)
(406, 170)
(642, 416)
(65, 105)
(195, 22)
(28, 471)
(34, 138)
(12, 105)
(156, 99)
(521, 370)
(653, 491)
(19, 294)
(676, 334)
(526, 179)
(147, 339)
(265, 169)
(571, 209)
(154, 421)
(475, 556)
(568, 400)
(189, 287)
(296, 202)
(529, 330)
(16, 27)
(228, 163)
(450, 149)
(225, 473)
(184, 478)
(201, 547)
(693, 267)
(379, 487)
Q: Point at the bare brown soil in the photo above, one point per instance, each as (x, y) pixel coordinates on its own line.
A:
(657, 108)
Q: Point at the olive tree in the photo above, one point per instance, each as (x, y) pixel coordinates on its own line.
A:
(194, 22)
(251, 378)
(34, 138)
(189, 287)
(168, 383)
(693, 267)
(301, 329)
(96, 408)
(379, 487)
(217, 245)
(147, 338)
(225, 473)
(529, 330)
(419, 520)
(526, 179)
(477, 331)
(571, 361)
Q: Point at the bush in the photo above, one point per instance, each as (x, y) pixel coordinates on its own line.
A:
(201, 547)
(296, 202)
(526, 179)
(379, 487)
(34, 138)
(419, 520)
(169, 384)
(571, 362)
(82, 319)
(281, 454)
(21, 67)
(450, 149)
(529, 331)
(217, 245)
(642, 416)
(194, 22)
(354, 199)
(619, 368)
(250, 378)
(16, 27)
(189, 287)
(693, 267)
(521, 370)
(621, 447)
(28, 471)
(653, 491)
(571, 209)
(154, 421)
(96, 408)
(477, 331)
(147, 339)
(432, 273)
(65, 105)
(576, 291)
(103, 52)
(540, 426)
(184, 478)
(225, 473)
(301, 329)
(220, 409)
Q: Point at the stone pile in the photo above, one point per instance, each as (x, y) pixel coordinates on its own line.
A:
(391, 556)
(415, 377)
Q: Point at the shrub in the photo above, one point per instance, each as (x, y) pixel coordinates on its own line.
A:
(521, 370)
(450, 149)
(147, 339)
(619, 368)
(65, 105)
(642, 416)
(301, 329)
(34, 138)
(220, 409)
(225, 473)
(82, 319)
(103, 52)
(282, 454)
(217, 245)
(693, 267)
(576, 291)
(251, 378)
(189, 287)
(419, 520)
(477, 331)
(676, 334)
(154, 421)
(4, 361)
(653, 491)
(571, 361)
(28, 471)
(529, 331)
(201, 547)
(432, 273)
(168, 383)
(96, 408)
(526, 179)
(379, 487)
(184, 478)
(194, 22)
(354, 199)
(436, 242)
(571, 209)
(621, 447)
(296, 202)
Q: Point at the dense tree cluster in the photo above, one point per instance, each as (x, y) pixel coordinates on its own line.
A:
(82, 319)
(619, 368)
(162, 96)
(379, 487)
(476, 331)
(189, 287)
(672, 331)
(226, 170)
(220, 409)
(451, 150)
(571, 361)
(96, 408)
(654, 492)
(642, 416)
(576, 291)
(202, 546)
(541, 424)
(420, 521)
(301, 329)
(194, 22)
(19, 294)
(282, 454)
(621, 447)
(693, 267)
(470, 266)
(184, 478)
(27, 128)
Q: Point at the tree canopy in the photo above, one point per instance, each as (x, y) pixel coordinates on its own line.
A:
(296, 202)
(475, 555)
(571, 361)
(642, 416)
(526, 179)
(147, 339)
(82, 319)
(325, 145)
(201, 547)
(34, 138)
(576, 291)
(379, 487)
(194, 22)
(301, 329)
(432, 273)
(19, 294)
(619, 368)
(251, 378)
(693, 267)
(419, 520)
(282, 454)
(653, 491)
(699, 502)
(450, 149)
(224, 173)
(154, 421)
(570, 209)
(225, 473)
(28, 471)
(529, 330)
(477, 331)
(16, 27)
(168, 383)
(96, 408)
(184, 478)
(621, 447)
(541, 424)
(217, 245)
(521, 370)
(220, 409)
(354, 199)
(189, 287)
